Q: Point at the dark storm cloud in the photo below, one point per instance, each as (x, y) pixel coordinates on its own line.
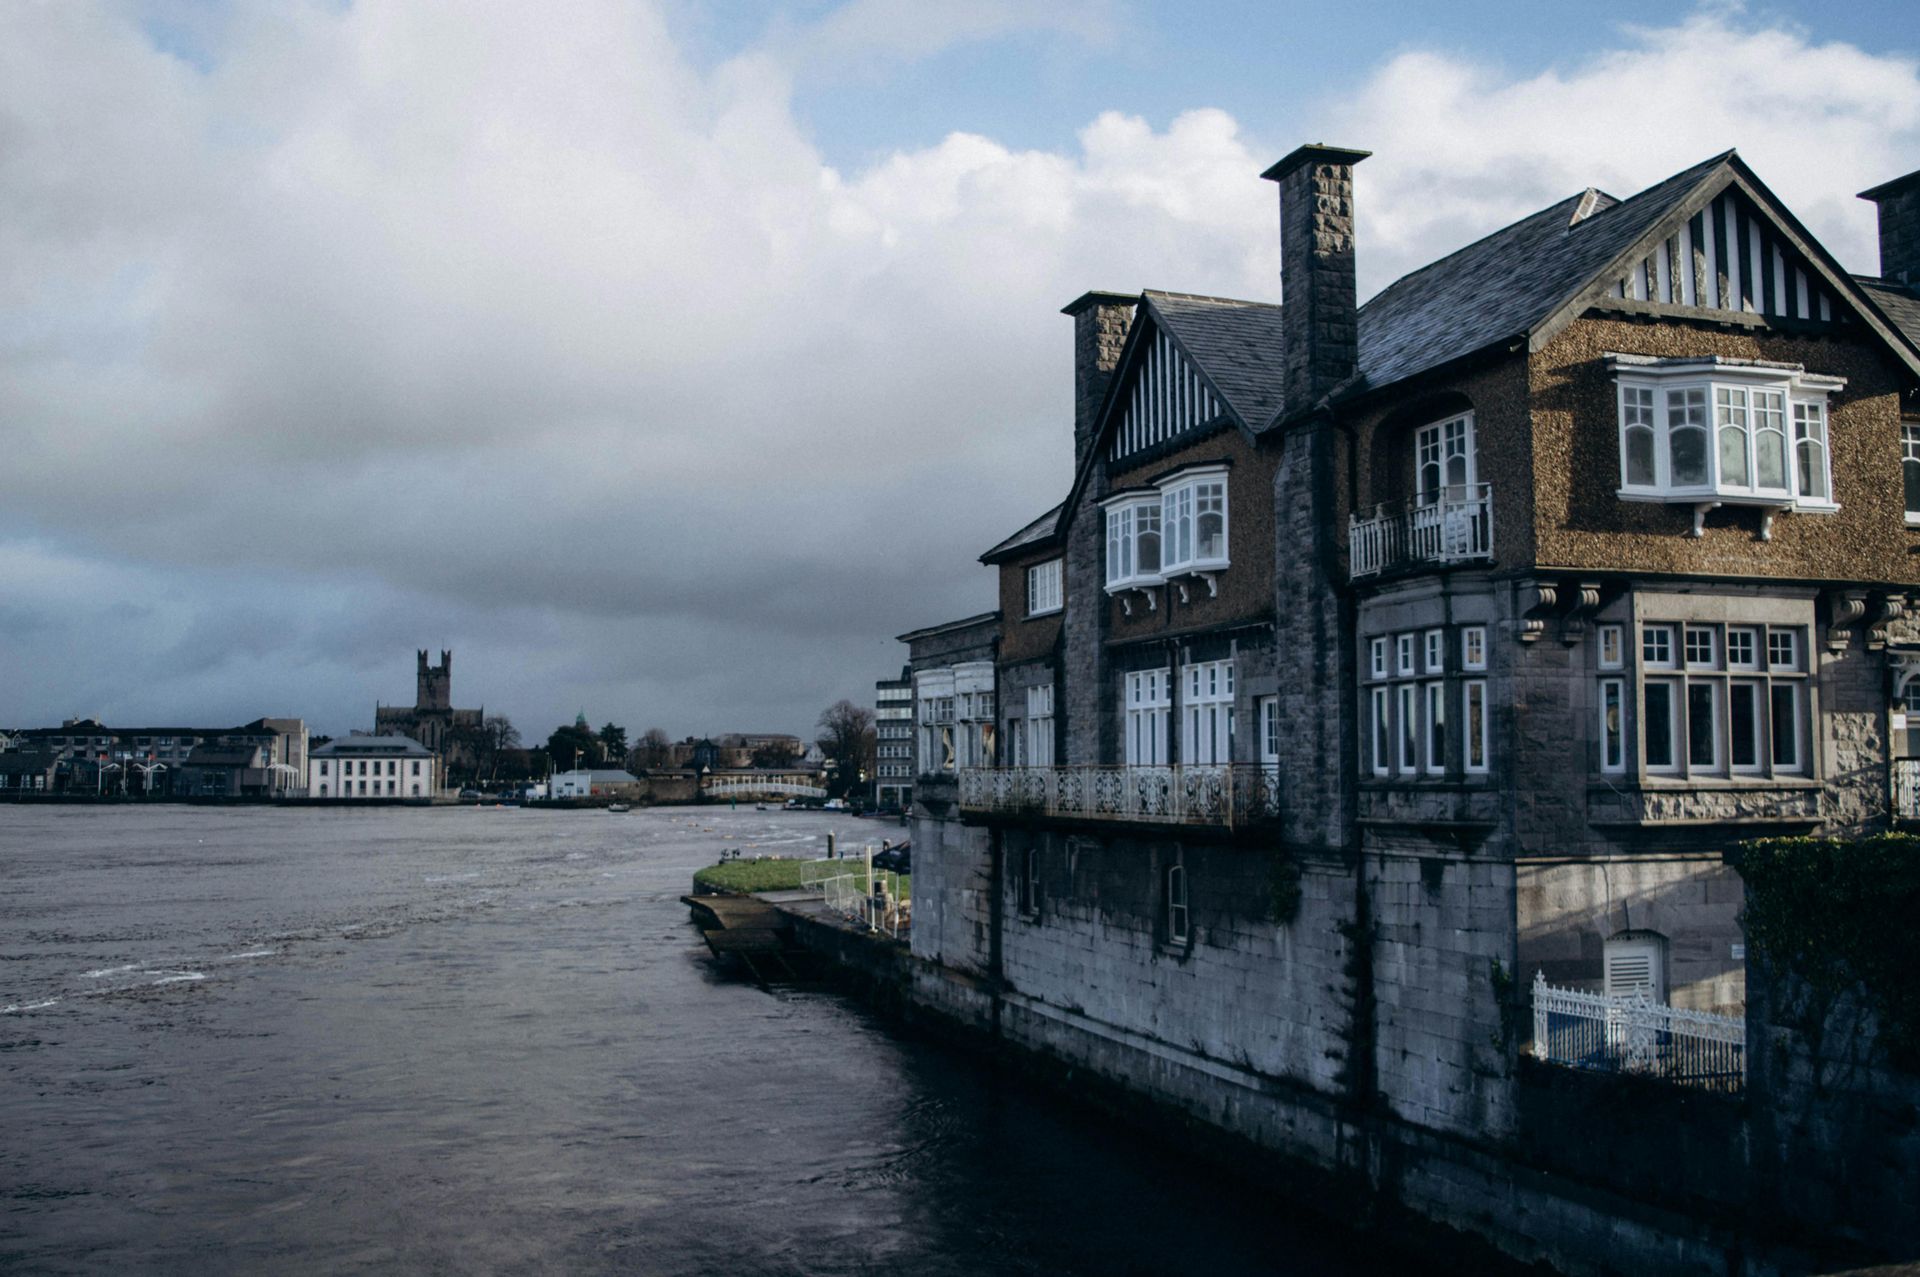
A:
(330, 333)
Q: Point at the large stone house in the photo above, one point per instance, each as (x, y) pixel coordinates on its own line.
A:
(1381, 658)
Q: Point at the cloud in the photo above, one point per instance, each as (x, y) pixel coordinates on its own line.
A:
(380, 327)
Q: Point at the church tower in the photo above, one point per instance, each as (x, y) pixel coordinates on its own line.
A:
(435, 683)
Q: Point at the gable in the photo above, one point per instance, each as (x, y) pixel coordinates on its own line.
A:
(1731, 256)
(1163, 399)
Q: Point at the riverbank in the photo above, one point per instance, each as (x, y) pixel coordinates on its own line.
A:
(884, 975)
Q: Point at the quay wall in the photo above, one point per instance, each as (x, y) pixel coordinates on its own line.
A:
(1393, 1086)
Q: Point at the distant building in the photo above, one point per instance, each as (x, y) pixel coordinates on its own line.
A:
(736, 750)
(589, 782)
(893, 740)
(89, 755)
(432, 720)
(373, 767)
(29, 770)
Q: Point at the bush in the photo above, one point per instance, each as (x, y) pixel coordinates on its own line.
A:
(1838, 915)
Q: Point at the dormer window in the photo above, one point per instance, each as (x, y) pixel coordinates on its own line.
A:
(1193, 518)
(1711, 431)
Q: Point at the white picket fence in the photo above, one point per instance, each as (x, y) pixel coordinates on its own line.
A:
(1635, 1034)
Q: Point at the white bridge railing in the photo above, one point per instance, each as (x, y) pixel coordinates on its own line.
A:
(1634, 1034)
(748, 787)
(1228, 796)
(1454, 527)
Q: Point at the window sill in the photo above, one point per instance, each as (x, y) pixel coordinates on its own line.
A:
(1048, 611)
(1667, 783)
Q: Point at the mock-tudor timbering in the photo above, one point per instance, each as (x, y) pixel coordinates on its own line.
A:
(1382, 657)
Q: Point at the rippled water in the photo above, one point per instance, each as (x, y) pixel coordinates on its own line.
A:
(489, 1040)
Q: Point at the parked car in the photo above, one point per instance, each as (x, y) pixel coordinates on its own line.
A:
(469, 795)
(836, 804)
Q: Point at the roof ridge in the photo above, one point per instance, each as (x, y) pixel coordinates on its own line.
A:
(1204, 297)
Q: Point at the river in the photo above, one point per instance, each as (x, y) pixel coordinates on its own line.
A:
(482, 1040)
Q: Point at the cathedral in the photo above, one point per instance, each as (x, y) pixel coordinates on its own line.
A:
(432, 720)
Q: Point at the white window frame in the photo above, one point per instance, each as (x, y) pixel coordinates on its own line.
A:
(1910, 469)
(1613, 725)
(1207, 740)
(1407, 742)
(1473, 647)
(1612, 647)
(1436, 725)
(1443, 460)
(1184, 501)
(1149, 703)
(1382, 725)
(1045, 587)
(1179, 916)
(1670, 688)
(1663, 638)
(1377, 657)
(1403, 655)
(1039, 726)
(1127, 517)
(1436, 654)
(1267, 710)
(1475, 731)
(1737, 403)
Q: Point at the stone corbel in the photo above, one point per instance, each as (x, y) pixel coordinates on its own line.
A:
(1845, 608)
(1585, 602)
(1890, 609)
(1700, 517)
(1126, 603)
(1538, 599)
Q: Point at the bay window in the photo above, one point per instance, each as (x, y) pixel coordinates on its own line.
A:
(1133, 540)
(1193, 520)
(1711, 430)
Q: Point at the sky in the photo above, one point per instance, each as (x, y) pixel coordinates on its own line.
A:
(666, 360)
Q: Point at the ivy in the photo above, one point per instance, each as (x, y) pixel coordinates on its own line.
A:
(1838, 915)
(1283, 886)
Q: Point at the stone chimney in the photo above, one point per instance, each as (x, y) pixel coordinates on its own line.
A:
(1100, 323)
(1316, 269)
(1899, 202)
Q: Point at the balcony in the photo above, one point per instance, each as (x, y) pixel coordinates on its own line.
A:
(1456, 526)
(1226, 797)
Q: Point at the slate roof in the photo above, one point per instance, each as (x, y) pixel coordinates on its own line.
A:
(1039, 532)
(1509, 282)
(1901, 305)
(382, 745)
(1239, 345)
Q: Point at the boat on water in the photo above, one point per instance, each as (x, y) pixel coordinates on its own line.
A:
(618, 807)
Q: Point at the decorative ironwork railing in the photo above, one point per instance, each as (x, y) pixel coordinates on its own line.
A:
(1227, 796)
(1906, 788)
(1455, 526)
(1634, 1034)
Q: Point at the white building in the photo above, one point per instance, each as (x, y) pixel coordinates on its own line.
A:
(373, 767)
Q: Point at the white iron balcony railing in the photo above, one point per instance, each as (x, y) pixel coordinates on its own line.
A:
(1634, 1034)
(1227, 796)
(1906, 788)
(1454, 525)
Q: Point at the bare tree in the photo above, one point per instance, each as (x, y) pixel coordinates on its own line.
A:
(654, 750)
(846, 738)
